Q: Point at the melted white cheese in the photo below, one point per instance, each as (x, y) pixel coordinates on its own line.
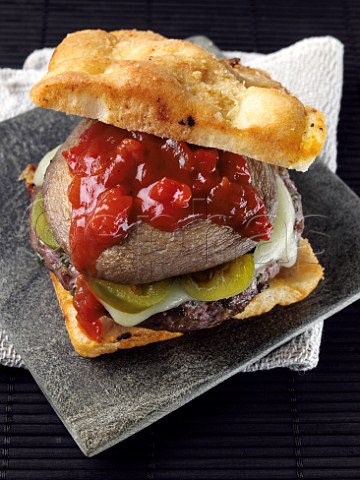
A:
(282, 246)
(173, 299)
(43, 164)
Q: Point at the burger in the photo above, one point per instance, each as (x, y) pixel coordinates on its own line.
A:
(169, 208)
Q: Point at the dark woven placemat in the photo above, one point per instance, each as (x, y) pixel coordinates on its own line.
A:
(266, 425)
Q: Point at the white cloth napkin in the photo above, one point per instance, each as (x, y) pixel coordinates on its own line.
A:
(312, 69)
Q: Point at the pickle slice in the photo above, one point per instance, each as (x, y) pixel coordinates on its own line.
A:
(130, 298)
(40, 223)
(220, 282)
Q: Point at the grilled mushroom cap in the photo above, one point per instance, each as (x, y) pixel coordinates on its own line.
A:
(148, 254)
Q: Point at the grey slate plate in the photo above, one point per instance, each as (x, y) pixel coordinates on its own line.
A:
(105, 400)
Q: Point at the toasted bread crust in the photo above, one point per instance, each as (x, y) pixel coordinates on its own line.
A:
(27, 175)
(172, 88)
(112, 341)
(290, 286)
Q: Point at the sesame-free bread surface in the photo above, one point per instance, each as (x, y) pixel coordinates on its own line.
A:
(289, 286)
(142, 81)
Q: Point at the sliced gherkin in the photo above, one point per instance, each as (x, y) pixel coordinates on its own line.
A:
(220, 282)
(40, 223)
(130, 298)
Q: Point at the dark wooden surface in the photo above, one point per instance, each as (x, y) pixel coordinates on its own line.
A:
(265, 425)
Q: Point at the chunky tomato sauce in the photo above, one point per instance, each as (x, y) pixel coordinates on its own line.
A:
(89, 310)
(121, 178)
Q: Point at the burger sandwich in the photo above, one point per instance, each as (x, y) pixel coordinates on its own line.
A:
(169, 208)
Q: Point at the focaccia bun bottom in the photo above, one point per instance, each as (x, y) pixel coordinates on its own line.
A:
(290, 286)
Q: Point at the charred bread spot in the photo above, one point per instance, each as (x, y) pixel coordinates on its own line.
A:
(181, 122)
(234, 61)
(190, 121)
(124, 336)
(164, 113)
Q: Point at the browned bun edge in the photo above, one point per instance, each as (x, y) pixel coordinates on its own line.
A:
(171, 88)
(112, 341)
(290, 286)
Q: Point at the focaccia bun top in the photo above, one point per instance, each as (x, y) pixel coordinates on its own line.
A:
(173, 89)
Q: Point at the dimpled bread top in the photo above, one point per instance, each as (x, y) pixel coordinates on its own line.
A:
(139, 80)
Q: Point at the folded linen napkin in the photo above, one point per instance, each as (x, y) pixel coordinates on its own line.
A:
(312, 69)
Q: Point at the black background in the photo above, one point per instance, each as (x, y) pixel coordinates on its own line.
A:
(265, 425)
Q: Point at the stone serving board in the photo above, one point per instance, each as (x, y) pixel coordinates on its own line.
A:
(102, 401)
